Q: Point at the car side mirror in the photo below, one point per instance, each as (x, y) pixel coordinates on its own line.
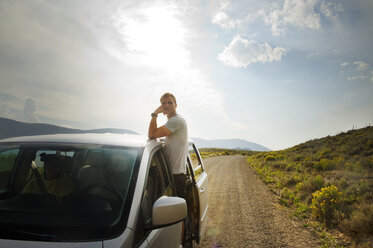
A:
(168, 210)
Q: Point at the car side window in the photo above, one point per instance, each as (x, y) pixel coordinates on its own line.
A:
(7, 161)
(196, 160)
(158, 184)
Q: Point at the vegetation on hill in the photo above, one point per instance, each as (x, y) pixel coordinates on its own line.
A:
(328, 182)
(211, 152)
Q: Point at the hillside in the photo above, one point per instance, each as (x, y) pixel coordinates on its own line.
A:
(328, 182)
(238, 144)
(10, 128)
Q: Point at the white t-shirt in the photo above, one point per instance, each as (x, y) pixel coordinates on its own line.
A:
(176, 147)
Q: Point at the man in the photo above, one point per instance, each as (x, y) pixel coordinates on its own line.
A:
(176, 133)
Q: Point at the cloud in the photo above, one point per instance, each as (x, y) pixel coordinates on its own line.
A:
(359, 70)
(303, 14)
(224, 21)
(313, 55)
(299, 13)
(243, 52)
(11, 113)
(360, 65)
(359, 77)
(30, 112)
(331, 10)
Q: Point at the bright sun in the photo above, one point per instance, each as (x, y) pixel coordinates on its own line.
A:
(155, 35)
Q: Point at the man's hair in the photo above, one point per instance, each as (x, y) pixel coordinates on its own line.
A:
(168, 95)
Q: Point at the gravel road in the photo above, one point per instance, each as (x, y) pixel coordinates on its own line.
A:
(244, 213)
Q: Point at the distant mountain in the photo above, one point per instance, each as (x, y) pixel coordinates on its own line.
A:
(10, 128)
(238, 144)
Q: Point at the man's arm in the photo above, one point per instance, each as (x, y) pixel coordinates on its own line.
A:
(154, 131)
(157, 132)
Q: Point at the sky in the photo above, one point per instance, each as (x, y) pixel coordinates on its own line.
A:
(276, 73)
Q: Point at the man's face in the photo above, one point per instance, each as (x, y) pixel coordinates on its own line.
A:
(169, 106)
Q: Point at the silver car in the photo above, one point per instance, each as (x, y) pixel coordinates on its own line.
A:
(97, 190)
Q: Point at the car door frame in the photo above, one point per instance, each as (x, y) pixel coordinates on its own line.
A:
(155, 237)
(200, 186)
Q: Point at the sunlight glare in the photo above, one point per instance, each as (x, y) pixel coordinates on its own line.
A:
(156, 35)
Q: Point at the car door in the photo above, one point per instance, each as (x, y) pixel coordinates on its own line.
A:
(201, 183)
(158, 183)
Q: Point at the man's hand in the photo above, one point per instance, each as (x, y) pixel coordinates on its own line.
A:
(159, 110)
(157, 132)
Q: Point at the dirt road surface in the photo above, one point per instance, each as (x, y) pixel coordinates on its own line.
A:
(243, 212)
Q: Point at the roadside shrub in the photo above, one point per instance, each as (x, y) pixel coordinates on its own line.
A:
(338, 162)
(355, 167)
(326, 204)
(193, 156)
(290, 166)
(324, 165)
(367, 163)
(355, 150)
(307, 162)
(325, 153)
(317, 166)
(298, 158)
(369, 143)
(203, 155)
(280, 157)
(298, 167)
(343, 184)
(301, 210)
(288, 196)
(309, 186)
(361, 221)
(290, 180)
(327, 164)
(260, 155)
(269, 158)
(279, 165)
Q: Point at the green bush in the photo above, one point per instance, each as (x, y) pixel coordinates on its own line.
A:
(325, 153)
(361, 221)
(307, 187)
(343, 184)
(326, 204)
(307, 162)
(317, 166)
(269, 158)
(290, 180)
(355, 150)
(367, 163)
(301, 210)
(324, 165)
(288, 197)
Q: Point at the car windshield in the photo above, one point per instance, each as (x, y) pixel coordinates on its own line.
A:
(65, 191)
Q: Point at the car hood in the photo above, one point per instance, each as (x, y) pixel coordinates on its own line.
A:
(44, 244)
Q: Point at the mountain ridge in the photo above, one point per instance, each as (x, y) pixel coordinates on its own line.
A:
(12, 128)
(237, 144)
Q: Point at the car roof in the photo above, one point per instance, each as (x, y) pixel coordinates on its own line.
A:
(130, 140)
